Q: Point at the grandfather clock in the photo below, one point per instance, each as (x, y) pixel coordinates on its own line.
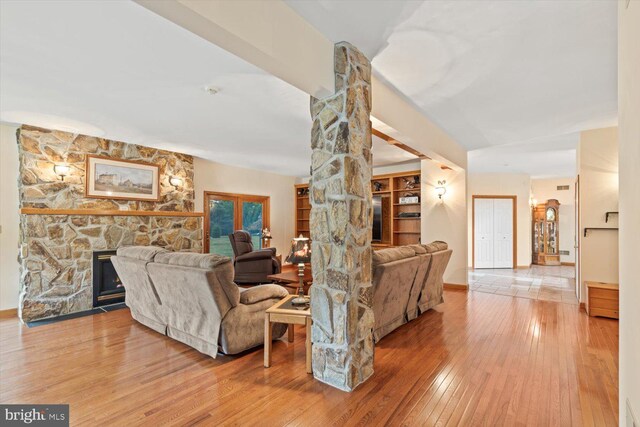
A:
(546, 236)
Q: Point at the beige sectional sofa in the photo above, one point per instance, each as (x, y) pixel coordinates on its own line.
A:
(407, 281)
(193, 299)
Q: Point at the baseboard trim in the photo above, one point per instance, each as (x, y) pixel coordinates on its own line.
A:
(9, 313)
(568, 264)
(456, 287)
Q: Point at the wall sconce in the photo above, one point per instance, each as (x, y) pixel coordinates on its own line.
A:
(533, 202)
(441, 190)
(175, 181)
(61, 171)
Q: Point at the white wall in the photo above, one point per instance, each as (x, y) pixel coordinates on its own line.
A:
(629, 140)
(447, 219)
(597, 161)
(402, 167)
(9, 218)
(545, 189)
(211, 176)
(504, 184)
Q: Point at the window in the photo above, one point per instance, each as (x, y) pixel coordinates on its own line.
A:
(225, 213)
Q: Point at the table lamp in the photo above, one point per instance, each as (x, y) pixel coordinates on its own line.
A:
(300, 254)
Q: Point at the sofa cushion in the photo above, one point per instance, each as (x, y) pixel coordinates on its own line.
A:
(261, 293)
(384, 256)
(143, 253)
(418, 249)
(435, 246)
(190, 259)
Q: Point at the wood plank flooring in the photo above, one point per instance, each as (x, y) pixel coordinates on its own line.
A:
(477, 359)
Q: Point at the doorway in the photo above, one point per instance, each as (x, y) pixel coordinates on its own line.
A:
(494, 231)
(227, 212)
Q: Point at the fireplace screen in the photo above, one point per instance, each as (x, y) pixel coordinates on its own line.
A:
(107, 287)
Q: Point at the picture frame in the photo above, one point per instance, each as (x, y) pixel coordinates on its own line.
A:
(119, 179)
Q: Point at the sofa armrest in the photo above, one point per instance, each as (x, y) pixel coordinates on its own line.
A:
(261, 293)
(255, 255)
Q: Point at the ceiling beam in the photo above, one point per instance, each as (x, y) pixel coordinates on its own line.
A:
(273, 37)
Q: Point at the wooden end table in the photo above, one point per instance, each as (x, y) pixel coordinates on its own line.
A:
(288, 277)
(285, 312)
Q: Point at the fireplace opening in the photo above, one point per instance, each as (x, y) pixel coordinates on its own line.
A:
(107, 287)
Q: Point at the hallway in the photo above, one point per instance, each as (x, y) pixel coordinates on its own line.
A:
(545, 283)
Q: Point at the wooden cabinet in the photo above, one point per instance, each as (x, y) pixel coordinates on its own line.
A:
(546, 236)
(602, 299)
(400, 221)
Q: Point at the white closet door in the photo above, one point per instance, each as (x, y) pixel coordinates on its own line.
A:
(484, 234)
(502, 233)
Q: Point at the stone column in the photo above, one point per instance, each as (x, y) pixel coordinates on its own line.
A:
(341, 215)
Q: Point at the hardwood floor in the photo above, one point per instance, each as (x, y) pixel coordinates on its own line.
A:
(478, 359)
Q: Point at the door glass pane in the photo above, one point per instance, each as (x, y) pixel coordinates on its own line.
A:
(252, 221)
(221, 214)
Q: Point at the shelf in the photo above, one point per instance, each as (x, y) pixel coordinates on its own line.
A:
(407, 232)
(407, 217)
(408, 190)
(597, 228)
(606, 215)
(300, 230)
(406, 204)
(381, 192)
(101, 212)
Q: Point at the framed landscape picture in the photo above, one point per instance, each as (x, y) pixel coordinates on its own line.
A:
(107, 178)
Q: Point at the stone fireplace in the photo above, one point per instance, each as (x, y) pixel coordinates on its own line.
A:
(60, 229)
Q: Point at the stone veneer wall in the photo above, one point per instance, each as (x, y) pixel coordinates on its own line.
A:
(340, 219)
(56, 250)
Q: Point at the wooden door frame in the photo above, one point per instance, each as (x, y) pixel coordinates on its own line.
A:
(237, 215)
(514, 200)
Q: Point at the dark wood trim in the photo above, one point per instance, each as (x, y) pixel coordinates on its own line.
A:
(455, 286)
(400, 145)
(473, 226)
(8, 313)
(236, 198)
(105, 212)
(137, 162)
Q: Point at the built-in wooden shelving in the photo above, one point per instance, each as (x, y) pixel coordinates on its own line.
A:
(302, 210)
(397, 230)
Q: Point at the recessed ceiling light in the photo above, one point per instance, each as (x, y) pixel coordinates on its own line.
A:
(211, 90)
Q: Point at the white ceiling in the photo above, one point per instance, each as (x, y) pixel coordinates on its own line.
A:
(548, 157)
(489, 72)
(116, 70)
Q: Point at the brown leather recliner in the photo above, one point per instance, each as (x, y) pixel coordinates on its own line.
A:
(252, 266)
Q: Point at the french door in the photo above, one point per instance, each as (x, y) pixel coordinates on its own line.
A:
(493, 232)
(227, 212)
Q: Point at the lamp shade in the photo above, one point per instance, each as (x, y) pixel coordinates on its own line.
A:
(61, 170)
(300, 250)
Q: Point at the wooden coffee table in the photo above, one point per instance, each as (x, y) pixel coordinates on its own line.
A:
(288, 277)
(285, 312)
